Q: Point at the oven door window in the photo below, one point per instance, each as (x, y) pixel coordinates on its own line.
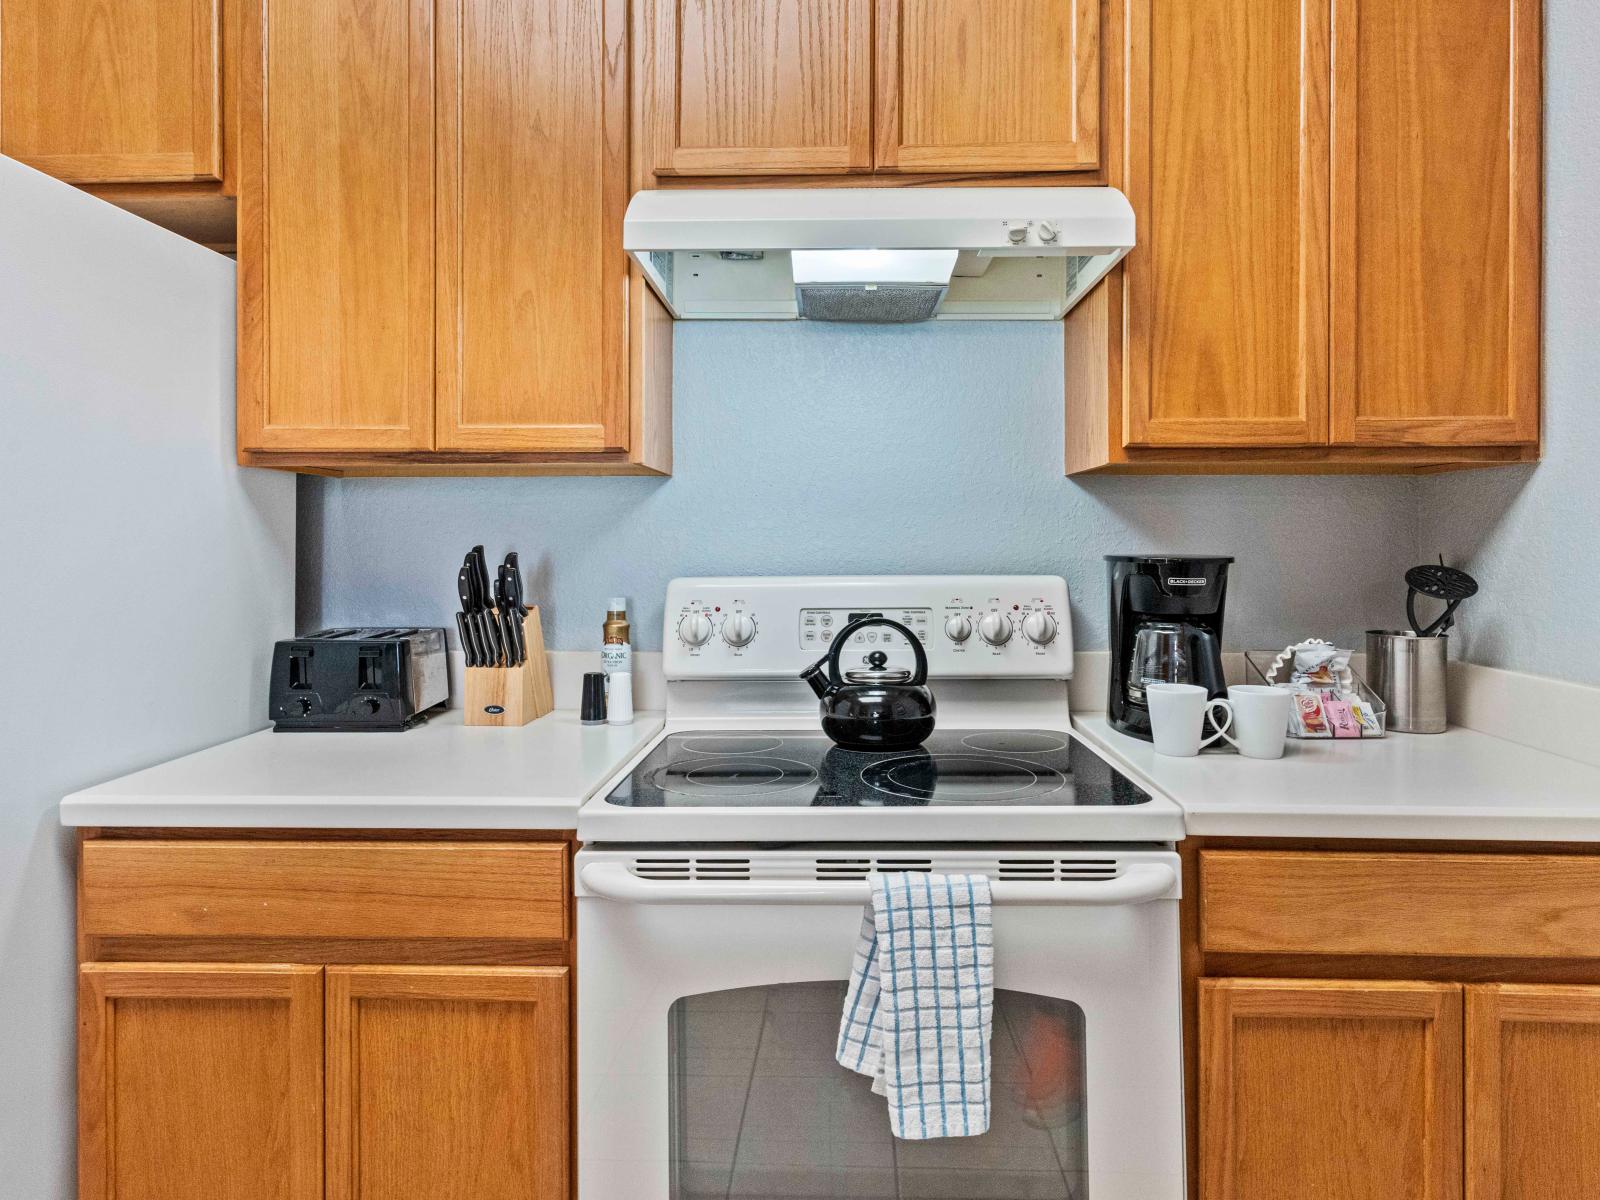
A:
(760, 1109)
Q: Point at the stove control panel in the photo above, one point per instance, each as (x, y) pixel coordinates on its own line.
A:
(974, 626)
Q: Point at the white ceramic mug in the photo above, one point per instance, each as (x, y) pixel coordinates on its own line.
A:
(1260, 719)
(1178, 716)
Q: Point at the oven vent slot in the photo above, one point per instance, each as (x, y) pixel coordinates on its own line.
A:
(1053, 870)
(692, 868)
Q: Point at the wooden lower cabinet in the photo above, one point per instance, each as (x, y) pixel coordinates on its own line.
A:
(199, 1080)
(247, 1030)
(449, 1083)
(1370, 1090)
(1533, 1087)
(1330, 1089)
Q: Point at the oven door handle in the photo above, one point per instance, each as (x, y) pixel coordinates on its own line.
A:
(1138, 884)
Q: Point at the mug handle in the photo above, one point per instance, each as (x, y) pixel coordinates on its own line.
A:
(1223, 727)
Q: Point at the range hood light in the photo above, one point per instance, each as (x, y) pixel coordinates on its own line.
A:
(873, 266)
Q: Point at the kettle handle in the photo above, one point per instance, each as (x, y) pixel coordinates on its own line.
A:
(918, 679)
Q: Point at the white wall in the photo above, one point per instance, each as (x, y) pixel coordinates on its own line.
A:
(143, 578)
(1531, 535)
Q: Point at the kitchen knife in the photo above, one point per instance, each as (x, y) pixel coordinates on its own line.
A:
(468, 626)
(487, 621)
(513, 573)
(508, 619)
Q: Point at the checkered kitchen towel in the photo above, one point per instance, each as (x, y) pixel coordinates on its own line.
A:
(919, 1011)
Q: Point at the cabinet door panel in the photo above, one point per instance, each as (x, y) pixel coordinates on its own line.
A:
(1436, 221)
(1007, 85)
(449, 1083)
(532, 185)
(1228, 171)
(336, 226)
(1330, 1089)
(199, 1080)
(762, 87)
(1533, 1082)
(107, 91)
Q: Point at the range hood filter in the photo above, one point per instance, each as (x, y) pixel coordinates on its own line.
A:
(869, 303)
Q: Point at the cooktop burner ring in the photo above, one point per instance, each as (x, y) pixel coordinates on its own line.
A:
(1030, 779)
(773, 776)
(730, 745)
(1035, 741)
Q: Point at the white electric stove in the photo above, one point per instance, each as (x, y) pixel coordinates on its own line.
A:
(721, 884)
(742, 757)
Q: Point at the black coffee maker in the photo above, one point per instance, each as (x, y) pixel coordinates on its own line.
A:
(1166, 626)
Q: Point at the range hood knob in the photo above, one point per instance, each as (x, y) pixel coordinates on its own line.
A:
(1048, 232)
(1018, 234)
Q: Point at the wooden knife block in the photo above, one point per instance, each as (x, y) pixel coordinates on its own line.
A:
(512, 696)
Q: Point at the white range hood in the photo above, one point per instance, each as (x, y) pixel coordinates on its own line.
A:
(877, 255)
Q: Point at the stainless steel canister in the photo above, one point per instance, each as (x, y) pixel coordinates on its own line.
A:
(1408, 673)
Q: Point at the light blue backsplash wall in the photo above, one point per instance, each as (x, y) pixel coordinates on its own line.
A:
(1531, 535)
(811, 449)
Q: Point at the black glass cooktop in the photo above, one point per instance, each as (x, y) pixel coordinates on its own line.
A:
(797, 769)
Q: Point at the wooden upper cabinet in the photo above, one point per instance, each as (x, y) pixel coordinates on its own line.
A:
(1330, 1089)
(199, 1080)
(760, 87)
(108, 91)
(1436, 221)
(1533, 1079)
(449, 1083)
(1001, 86)
(1227, 168)
(532, 184)
(336, 226)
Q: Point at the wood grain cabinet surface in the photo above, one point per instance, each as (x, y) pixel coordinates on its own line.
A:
(869, 89)
(1533, 1091)
(200, 1080)
(449, 1083)
(760, 87)
(432, 278)
(1328, 1089)
(112, 91)
(404, 1029)
(1338, 259)
(998, 87)
(1322, 1066)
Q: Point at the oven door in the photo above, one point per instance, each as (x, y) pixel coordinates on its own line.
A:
(710, 989)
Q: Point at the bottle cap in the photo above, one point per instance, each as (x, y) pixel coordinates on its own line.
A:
(593, 709)
(617, 604)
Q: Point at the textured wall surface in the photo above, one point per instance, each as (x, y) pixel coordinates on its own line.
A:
(143, 577)
(807, 449)
(1531, 535)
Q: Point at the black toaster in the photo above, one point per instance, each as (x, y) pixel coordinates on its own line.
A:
(376, 678)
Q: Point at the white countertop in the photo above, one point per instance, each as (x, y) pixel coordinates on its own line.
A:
(1460, 784)
(441, 775)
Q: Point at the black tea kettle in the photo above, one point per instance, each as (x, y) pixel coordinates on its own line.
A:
(875, 707)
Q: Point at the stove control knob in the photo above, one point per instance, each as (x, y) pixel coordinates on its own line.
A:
(738, 630)
(695, 629)
(1039, 628)
(958, 629)
(995, 628)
